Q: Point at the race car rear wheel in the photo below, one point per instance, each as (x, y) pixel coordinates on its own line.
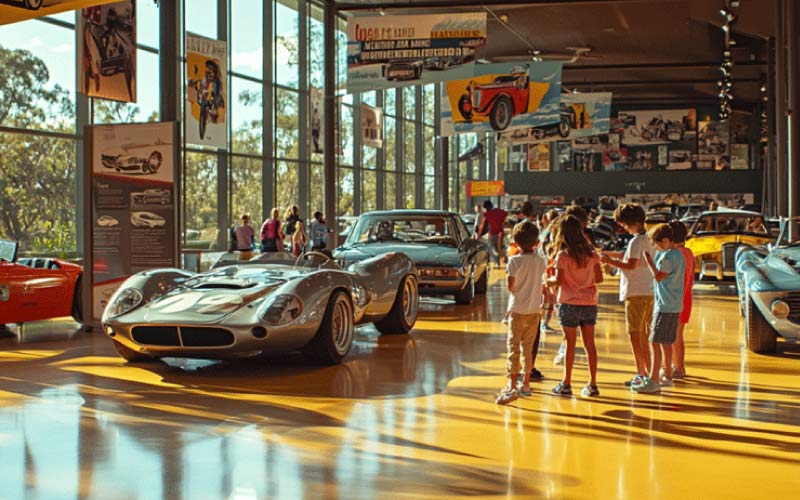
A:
(129, 354)
(502, 113)
(761, 337)
(334, 338)
(403, 314)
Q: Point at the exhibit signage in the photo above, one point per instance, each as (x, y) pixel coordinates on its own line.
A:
(316, 119)
(13, 11)
(673, 129)
(371, 126)
(580, 115)
(107, 51)
(504, 96)
(206, 91)
(395, 51)
(133, 204)
(485, 188)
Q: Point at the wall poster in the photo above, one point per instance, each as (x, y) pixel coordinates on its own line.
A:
(580, 115)
(539, 157)
(316, 119)
(206, 91)
(133, 222)
(371, 126)
(644, 131)
(504, 96)
(13, 11)
(107, 51)
(713, 149)
(394, 51)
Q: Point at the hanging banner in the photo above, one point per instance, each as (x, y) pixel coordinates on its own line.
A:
(505, 96)
(316, 118)
(371, 126)
(485, 188)
(581, 115)
(664, 139)
(206, 91)
(133, 221)
(394, 51)
(13, 11)
(107, 51)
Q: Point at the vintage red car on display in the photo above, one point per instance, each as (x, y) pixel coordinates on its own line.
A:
(500, 100)
(37, 288)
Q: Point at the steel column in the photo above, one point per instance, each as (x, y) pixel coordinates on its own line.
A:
(770, 167)
(399, 149)
(223, 179)
(793, 173)
(780, 110)
(329, 127)
(380, 158)
(267, 111)
(357, 154)
(303, 152)
(419, 150)
(444, 172)
(437, 151)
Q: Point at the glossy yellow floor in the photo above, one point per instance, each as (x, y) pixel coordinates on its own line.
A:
(405, 417)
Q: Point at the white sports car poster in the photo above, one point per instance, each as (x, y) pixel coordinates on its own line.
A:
(14, 11)
(371, 126)
(206, 91)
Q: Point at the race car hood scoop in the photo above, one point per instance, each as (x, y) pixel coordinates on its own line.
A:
(225, 284)
(202, 304)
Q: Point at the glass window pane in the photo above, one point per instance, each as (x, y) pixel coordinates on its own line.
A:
(37, 192)
(287, 60)
(345, 192)
(369, 196)
(428, 97)
(246, 189)
(147, 27)
(316, 193)
(409, 190)
(389, 143)
(201, 17)
(200, 207)
(346, 125)
(341, 60)
(389, 101)
(286, 121)
(246, 117)
(410, 102)
(369, 158)
(286, 185)
(429, 140)
(409, 146)
(316, 47)
(390, 192)
(430, 192)
(368, 98)
(247, 32)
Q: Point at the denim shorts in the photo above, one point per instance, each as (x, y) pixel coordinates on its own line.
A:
(573, 316)
(665, 328)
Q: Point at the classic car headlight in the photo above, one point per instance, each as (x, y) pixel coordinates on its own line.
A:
(282, 309)
(780, 309)
(441, 272)
(125, 301)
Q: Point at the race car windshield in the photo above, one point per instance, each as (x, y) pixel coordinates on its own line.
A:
(439, 230)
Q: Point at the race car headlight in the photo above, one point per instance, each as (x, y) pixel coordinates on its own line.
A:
(780, 309)
(282, 309)
(125, 301)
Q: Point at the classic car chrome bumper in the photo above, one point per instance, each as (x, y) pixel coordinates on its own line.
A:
(440, 285)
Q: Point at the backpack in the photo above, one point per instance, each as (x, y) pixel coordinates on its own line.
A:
(291, 225)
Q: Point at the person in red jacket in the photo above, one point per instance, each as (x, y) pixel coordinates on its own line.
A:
(494, 222)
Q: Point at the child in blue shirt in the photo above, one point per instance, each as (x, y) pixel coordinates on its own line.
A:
(667, 269)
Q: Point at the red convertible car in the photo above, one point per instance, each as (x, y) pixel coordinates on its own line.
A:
(37, 288)
(500, 100)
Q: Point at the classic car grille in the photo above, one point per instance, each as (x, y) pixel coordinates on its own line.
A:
(793, 299)
(156, 335)
(729, 257)
(205, 337)
(186, 336)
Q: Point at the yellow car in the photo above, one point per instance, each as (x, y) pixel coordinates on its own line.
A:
(715, 236)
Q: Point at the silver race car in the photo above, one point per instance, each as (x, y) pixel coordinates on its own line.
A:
(272, 303)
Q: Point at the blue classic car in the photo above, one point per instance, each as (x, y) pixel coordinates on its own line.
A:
(448, 261)
(768, 281)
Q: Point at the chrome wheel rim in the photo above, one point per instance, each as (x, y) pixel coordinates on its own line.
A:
(502, 113)
(410, 301)
(342, 325)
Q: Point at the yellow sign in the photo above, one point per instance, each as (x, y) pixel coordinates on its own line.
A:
(486, 188)
(12, 11)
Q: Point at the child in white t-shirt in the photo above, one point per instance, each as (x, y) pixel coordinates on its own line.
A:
(524, 278)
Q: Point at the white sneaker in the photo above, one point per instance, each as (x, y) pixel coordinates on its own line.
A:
(559, 358)
(666, 382)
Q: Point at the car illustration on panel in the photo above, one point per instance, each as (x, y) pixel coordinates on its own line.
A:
(715, 236)
(151, 196)
(32, 4)
(768, 284)
(107, 221)
(448, 261)
(402, 70)
(271, 303)
(133, 158)
(500, 100)
(37, 288)
(147, 219)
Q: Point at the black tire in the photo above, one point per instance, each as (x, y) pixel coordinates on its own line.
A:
(466, 295)
(77, 302)
(130, 355)
(483, 282)
(502, 113)
(761, 337)
(403, 314)
(564, 127)
(322, 348)
(154, 162)
(465, 107)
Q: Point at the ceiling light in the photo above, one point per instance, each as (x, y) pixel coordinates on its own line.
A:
(763, 87)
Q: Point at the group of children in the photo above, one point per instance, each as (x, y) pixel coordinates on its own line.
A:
(657, 273)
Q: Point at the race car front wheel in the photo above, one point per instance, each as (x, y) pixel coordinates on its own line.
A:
(334, 338)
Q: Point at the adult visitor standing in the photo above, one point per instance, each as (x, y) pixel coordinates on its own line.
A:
(476, 226)
(494, 223)
(319, 232)
(271, 233)
(245, 236)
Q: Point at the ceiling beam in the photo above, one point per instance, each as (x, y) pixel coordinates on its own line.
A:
(428, 4)
(629, 83)
(644, 66)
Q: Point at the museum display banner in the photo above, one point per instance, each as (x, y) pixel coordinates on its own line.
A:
(580, 115)
(133, 222)
(107, 51)
(371, 126)
(206, 91)
(316, 97)
(485, 188)
(395, 51)
(13, 11)
(504, 96)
